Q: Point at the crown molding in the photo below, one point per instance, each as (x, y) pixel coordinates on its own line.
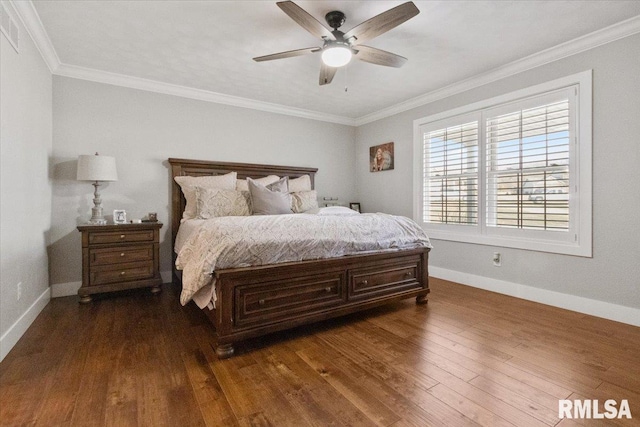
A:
(600, 37)
(192, 93)
(30, 19)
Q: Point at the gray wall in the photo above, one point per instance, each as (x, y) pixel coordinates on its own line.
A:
(142, 129)
(25, 185)
(613, 274)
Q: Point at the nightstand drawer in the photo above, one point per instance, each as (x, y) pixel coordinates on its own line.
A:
(124, 236)
(101, 275)
(121, 255)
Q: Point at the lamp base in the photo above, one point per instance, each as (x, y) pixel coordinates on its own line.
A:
(97, 221)
(96, 210)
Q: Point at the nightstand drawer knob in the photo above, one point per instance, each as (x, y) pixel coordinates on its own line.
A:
(122, 273)
(122, 236)
(122, 254)
(328, 289)
(365, 282)
(261, 302)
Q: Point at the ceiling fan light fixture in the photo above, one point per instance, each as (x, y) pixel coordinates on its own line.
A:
(338, 47)
(336, 56)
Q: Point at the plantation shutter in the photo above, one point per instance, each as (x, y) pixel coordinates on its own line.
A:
(528, 160)
(450, 160)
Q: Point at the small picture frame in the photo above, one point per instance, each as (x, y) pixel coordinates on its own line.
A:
(119, 216)
(355, 206)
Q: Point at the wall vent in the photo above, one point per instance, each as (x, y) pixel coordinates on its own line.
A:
(9, 27)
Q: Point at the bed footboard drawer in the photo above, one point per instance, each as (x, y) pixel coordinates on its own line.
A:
(266, 302)
(384, 279)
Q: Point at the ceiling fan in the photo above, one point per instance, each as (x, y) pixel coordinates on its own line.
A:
(338, 47)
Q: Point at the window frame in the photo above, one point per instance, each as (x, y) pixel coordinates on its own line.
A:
(578, 239)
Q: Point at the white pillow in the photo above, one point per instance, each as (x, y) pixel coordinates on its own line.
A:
(241, 184)
(269, 202)
(297, 185)
(333, 210)
(188, 185)
(303, 201)
(214, 202)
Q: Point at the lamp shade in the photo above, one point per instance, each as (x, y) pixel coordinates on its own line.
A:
(96, 168)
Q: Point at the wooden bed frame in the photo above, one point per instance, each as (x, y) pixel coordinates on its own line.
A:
(255, 301)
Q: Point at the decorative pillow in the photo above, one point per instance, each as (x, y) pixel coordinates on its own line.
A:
(241, 184)
(188, 185)
(303, 201)
(280, 186)
(265, 201)
(297, 185)
(214, 202)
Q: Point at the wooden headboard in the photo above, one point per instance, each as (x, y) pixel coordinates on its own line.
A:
(186, 167)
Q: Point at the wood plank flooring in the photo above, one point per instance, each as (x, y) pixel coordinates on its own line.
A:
(468, 358)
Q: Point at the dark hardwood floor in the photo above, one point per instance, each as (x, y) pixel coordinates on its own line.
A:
(469, 357)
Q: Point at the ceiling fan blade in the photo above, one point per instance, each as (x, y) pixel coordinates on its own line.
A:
(379, 56)
(305, 20)
(287, 54)
(382, 23)
(326, 74)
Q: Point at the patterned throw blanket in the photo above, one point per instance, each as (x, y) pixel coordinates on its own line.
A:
(242, 241)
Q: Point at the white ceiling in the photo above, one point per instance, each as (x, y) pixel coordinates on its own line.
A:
(208, 45)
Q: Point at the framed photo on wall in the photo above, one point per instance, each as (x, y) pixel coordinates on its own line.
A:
(381, 157)
(355, 206)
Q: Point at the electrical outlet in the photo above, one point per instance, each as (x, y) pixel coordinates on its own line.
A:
(19, 291)
(497, 259)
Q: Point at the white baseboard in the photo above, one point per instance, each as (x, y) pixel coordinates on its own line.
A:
(71, 288)
(618, 313)
(15, 332)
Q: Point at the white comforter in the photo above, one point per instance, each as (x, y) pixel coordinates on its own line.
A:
(229, 242)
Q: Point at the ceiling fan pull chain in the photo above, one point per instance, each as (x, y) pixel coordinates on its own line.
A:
(346, 80)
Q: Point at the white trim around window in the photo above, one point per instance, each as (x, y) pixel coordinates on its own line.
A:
(573, 237)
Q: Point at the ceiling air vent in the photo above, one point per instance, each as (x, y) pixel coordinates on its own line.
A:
(9, 27)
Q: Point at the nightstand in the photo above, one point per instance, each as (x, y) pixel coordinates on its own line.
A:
(120, 256)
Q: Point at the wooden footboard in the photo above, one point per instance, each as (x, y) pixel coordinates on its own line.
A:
(260, 300)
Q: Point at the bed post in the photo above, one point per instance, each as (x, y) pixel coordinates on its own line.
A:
(224, 351)
(423, 298)
(177, 206)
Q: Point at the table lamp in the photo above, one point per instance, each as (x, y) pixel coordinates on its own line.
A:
(97, 169)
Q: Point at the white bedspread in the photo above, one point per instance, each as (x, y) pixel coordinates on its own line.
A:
(229, 242)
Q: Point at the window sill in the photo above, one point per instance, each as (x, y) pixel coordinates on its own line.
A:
(538, 245)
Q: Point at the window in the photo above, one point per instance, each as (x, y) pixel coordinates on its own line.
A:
(451, 194)
(512, 171)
